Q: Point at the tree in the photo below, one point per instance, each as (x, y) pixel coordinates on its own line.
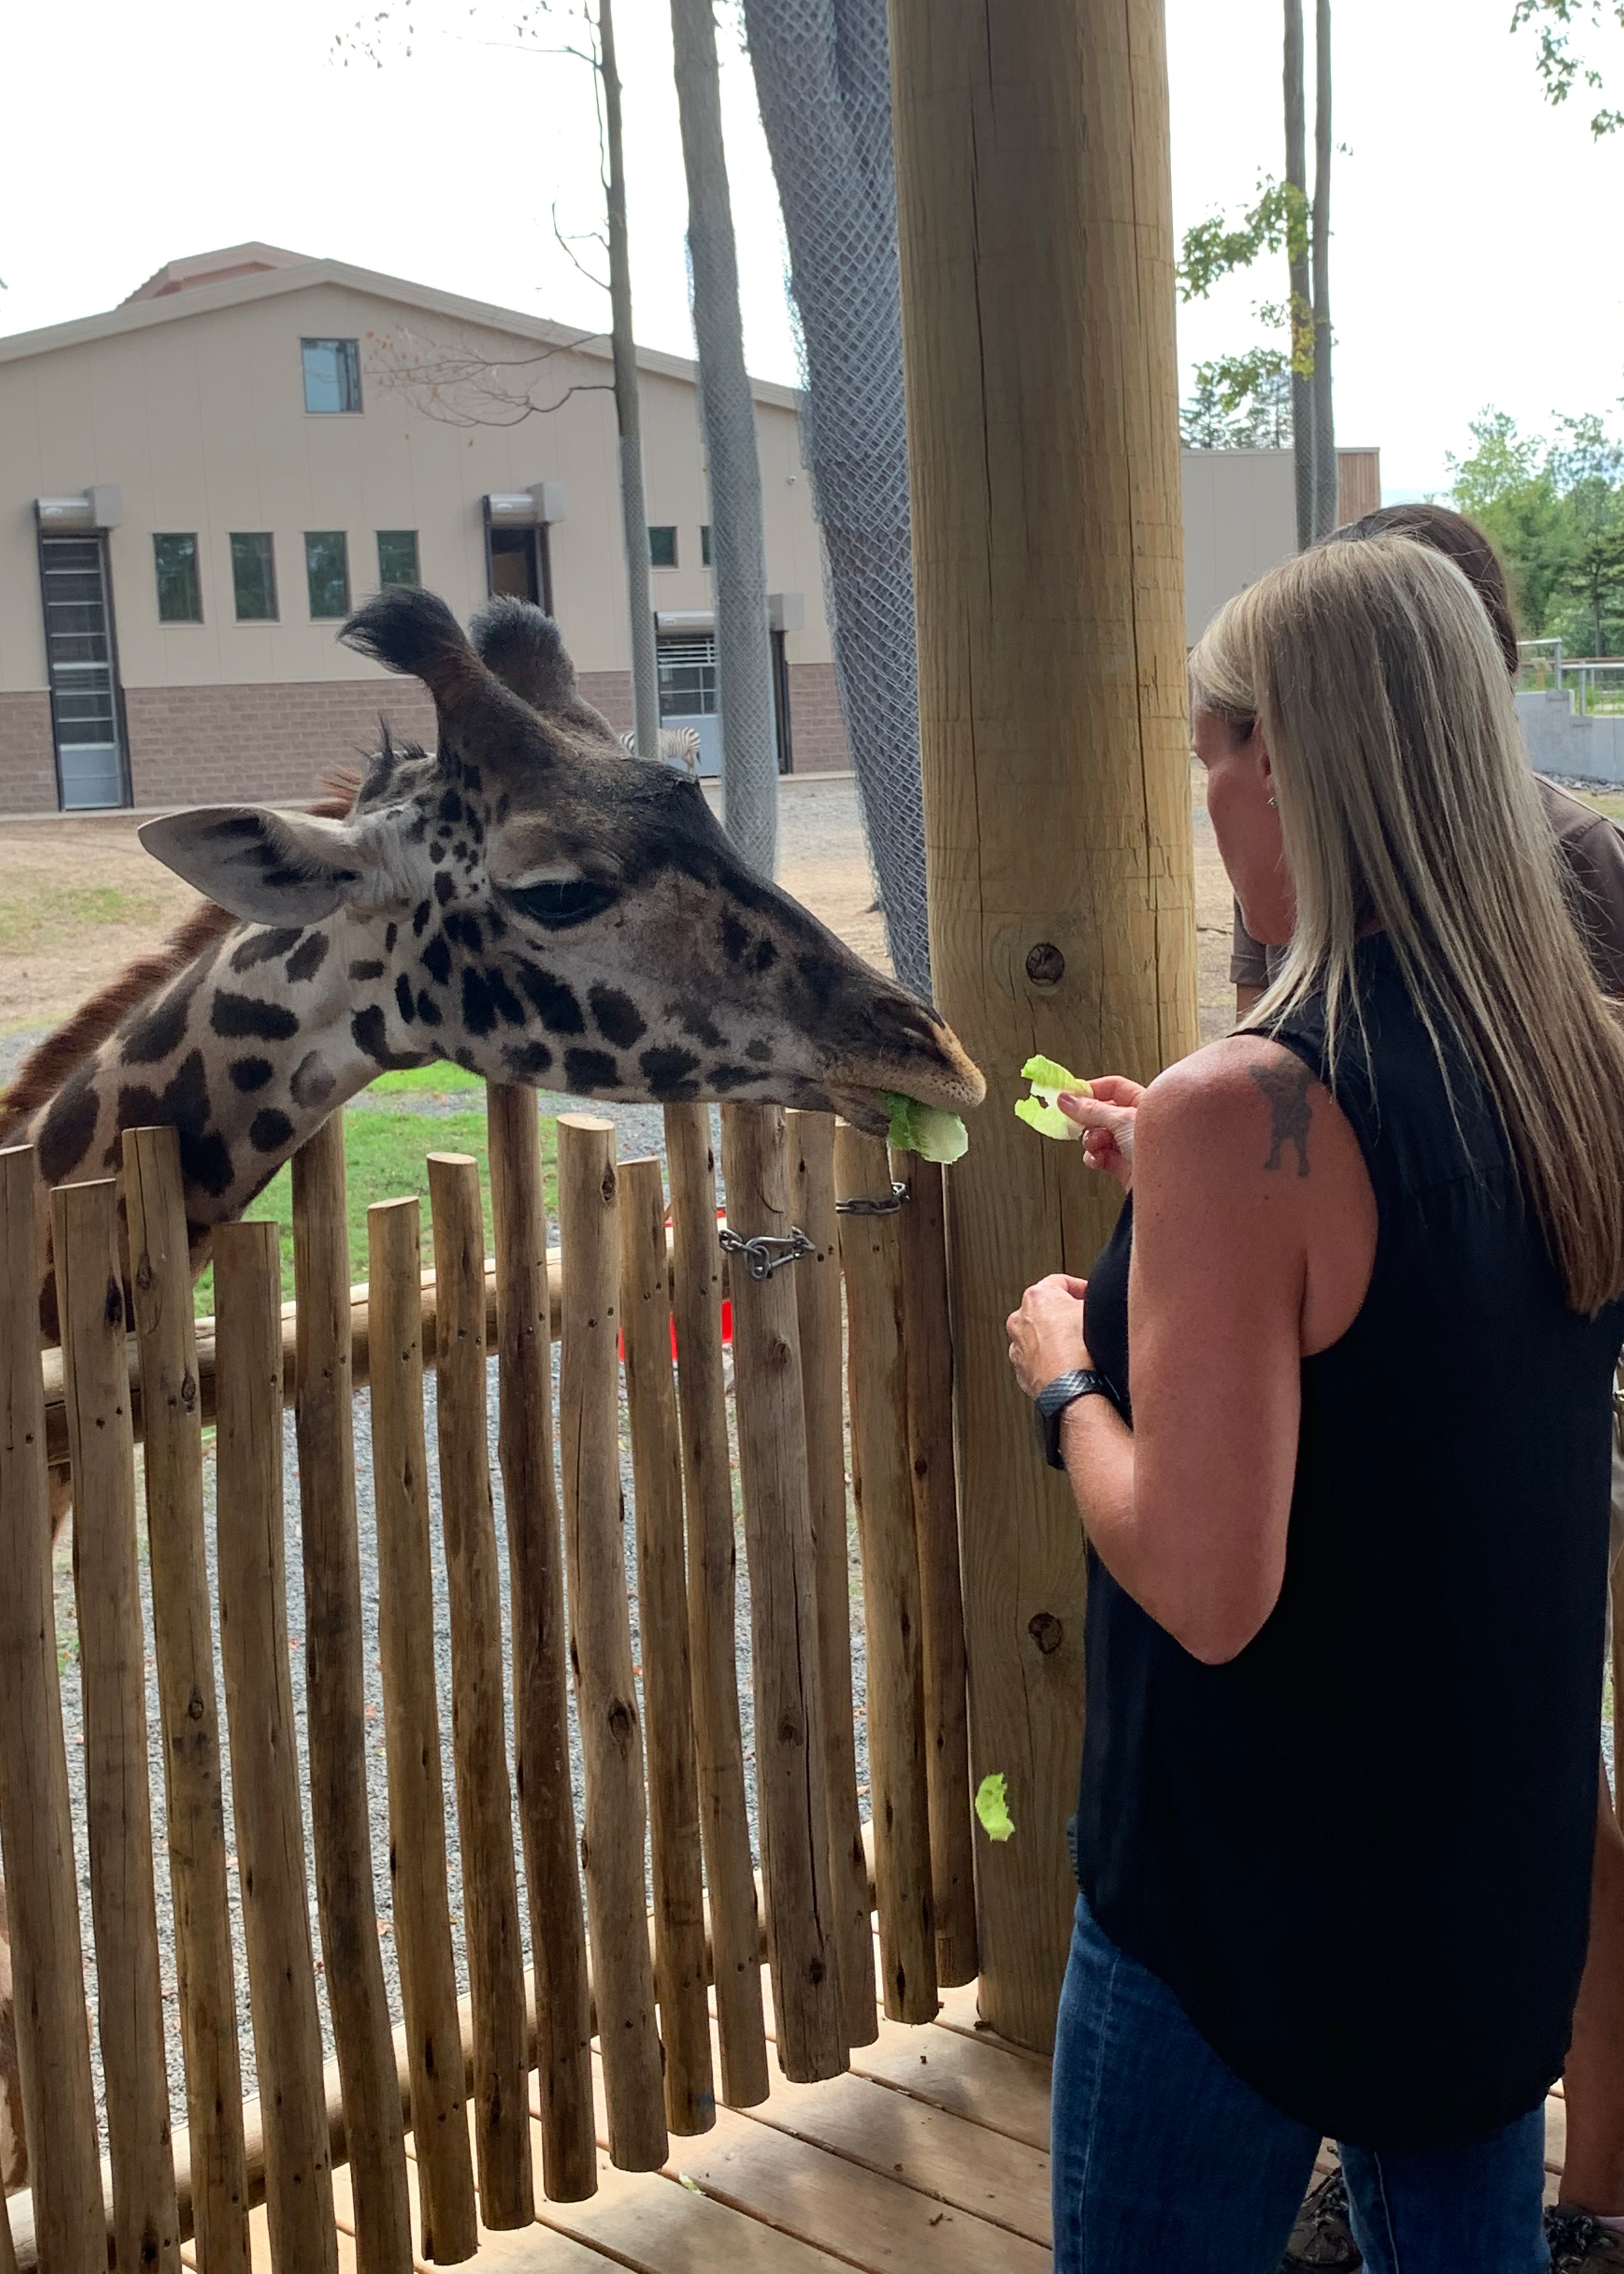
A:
(1586, 469)
(1304, 405)
(1560, 64)
(1241, 403)
(1326, 481)
(1555, 511)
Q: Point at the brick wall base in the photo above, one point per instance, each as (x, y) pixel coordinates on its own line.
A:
(610, 692)
(27, 757)
(266, 744)
(818, 732)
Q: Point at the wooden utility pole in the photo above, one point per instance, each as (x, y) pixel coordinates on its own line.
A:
(1326, 482)
(1038, 301)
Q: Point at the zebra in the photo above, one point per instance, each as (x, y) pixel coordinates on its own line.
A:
(679, 746)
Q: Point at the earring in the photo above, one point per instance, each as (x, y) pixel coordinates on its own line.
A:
(1273, 802)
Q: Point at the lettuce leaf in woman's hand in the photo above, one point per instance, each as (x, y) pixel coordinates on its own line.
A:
(1040, 1111)
(925, 1130)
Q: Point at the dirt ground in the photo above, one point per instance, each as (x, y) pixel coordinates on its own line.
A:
(78, 899)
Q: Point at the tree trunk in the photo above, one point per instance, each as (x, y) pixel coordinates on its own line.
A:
(1325, 425)
(1297, 175)
(738, 549)
(634, 512)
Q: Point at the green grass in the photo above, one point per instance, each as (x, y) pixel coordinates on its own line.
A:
(440, 1079)
(36, 913)
(1608, 802)
(386, 1159)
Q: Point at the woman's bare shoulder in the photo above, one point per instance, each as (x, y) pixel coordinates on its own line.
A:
(1244, 1103)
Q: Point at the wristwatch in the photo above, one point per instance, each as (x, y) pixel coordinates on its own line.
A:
(1051, 1403)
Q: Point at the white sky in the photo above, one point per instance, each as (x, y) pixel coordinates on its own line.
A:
(1473, 223)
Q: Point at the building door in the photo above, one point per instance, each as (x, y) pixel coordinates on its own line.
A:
(688, 692)
(519, 564)
(82, 661)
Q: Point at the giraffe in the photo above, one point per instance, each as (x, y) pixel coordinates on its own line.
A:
(528, 901)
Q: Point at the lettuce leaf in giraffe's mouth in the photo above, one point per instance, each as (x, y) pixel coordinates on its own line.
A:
(925, 1130)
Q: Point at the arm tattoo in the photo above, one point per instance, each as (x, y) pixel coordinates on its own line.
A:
(1286, 1088)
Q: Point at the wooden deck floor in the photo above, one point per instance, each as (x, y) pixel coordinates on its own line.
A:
(931, 2154)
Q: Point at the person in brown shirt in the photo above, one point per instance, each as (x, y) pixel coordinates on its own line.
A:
(1587, 2231)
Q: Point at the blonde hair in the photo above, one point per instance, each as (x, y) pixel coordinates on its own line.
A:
(1407, 804)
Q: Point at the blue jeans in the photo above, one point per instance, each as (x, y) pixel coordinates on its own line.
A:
(1163, 2158)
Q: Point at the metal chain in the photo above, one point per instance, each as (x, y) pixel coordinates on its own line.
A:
(899, 1193)
(766, 1252)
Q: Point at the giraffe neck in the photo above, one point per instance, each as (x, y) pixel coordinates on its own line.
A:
(245, 1054)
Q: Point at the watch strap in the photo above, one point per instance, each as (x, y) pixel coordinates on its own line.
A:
(1053, 1399)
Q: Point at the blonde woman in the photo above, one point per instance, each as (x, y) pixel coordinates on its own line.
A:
(1347, 1503)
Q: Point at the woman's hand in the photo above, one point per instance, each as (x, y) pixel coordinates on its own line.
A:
(1107, 1120)
(1046, 1334)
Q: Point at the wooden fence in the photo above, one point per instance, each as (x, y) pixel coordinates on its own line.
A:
(666, 1775)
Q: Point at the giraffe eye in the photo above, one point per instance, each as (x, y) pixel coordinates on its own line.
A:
(558, 902)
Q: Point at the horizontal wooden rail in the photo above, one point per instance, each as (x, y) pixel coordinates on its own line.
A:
(21, 2205)
(50, 1361)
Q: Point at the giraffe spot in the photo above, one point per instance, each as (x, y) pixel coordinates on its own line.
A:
(249, 1018)
(506, 1002)
(265, 946)
(495, 922)
(669, 1070)
(437, 959)
(473, 779)
(437, 851)
(183, 1104)
(249, 1074)
(429, 1010)
(735, 939)
(459, 852)
(553, 1001)
(760, 1050)
(697, 1021)
(405, 1002)
(269, 1131)
(370, 1036)
(463, 928)
(619, 1021)
(527, 1061)
(444, 888)
(450, 807)
(478, 1003)
(389, 938)
(312, 1084)
(819, 976)
(69, 1127)
(586, 1070)
(306, 962)
(765, 956)
(368, 967)
(161, 1032)
(419, 917)
(724, 1078)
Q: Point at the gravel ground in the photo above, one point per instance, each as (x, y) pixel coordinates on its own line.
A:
(376, 1775)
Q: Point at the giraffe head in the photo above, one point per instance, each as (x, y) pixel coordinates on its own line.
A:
(538, 906)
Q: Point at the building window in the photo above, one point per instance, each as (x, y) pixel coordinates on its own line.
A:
(180, 590)
(663, 546)
(397, 556)
(253, 576)
(326, 572)
(332, 374)
(704, 545)
(687, 677)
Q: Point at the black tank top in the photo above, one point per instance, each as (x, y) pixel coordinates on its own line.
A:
(1359, 1854)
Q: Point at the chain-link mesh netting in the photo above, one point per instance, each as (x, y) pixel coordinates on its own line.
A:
(822, 76)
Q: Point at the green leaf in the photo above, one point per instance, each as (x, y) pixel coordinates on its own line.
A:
(992, 1806)
(926, 1130)
(1040, 1111)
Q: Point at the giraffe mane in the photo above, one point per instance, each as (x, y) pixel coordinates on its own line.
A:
(47, 1065)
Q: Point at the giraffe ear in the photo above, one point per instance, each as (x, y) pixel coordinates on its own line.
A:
(265, 867)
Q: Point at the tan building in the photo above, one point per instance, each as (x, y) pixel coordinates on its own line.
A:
(196, 486)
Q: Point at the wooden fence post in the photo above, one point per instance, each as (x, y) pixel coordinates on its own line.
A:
(1035, 219)
(662, 1626)
(707, 1471)
(112, 1670)
(188, 1695)
(41, 1879)
(265, 1767)
(823, 1378)
(335, 1702)
(540, 1693)
(421, 1905)
(600, 1643)
(927, 1352)
(478, 1728)
(790, 1772)
(871, 1258)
